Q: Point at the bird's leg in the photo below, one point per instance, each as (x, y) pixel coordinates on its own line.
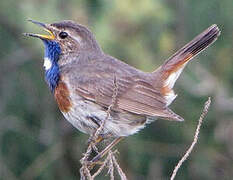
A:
(92, 140)
(106, 150)
(96, 136)
(101, 126)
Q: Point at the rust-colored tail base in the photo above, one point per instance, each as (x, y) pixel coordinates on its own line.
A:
(198, 44)
(169, 72)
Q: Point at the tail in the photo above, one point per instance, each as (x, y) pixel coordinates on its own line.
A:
(172, 68)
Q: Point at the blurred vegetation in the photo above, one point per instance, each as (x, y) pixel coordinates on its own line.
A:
(36, 142)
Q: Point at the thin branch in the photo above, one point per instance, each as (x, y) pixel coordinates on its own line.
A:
(119, 170)
(196, 136)
(110, 159)
(114, 96)
(101, 167)
(110, 166)
(85, 173)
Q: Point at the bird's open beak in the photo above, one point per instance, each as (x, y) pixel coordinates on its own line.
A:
(49, 36)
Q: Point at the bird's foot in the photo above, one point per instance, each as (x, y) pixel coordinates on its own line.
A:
(89, 164)
(94, 140)
(106, 150)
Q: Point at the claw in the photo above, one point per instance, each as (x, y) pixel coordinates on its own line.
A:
(107, 149)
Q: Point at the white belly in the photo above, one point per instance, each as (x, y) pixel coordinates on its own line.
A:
(82, 110)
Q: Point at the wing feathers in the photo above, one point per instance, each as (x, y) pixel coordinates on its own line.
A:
(137, 92)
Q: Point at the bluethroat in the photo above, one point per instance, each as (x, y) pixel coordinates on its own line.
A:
(83, 80)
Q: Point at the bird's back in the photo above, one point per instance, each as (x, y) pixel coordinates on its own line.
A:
(93, 78)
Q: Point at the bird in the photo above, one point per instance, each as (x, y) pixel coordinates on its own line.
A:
(85, 81)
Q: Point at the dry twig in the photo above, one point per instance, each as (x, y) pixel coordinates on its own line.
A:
(114, 96)
(110, 166)
(186, 155)
(110, 161)
(119, 170)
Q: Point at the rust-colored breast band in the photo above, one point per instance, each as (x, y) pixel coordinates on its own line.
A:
(62, 97)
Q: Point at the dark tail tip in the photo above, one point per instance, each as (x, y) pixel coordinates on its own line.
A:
(194, 47)
(202, 41)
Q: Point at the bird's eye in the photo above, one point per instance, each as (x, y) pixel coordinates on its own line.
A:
(63, 35)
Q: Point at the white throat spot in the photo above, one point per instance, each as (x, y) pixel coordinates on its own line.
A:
(47, 63)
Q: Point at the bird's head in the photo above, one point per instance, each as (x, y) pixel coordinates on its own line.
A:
(66, 38)
(63, 43)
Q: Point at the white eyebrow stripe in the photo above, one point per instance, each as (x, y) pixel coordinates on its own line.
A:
(77, 38)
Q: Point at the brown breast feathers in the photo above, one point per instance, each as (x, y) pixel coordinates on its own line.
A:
(61, 95)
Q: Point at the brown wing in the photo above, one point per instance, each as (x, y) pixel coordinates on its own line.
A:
(135, 94)
(93, 79)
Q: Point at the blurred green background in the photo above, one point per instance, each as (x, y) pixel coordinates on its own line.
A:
(36, 142)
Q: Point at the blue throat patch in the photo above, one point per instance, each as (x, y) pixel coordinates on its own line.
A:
(52, 52)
